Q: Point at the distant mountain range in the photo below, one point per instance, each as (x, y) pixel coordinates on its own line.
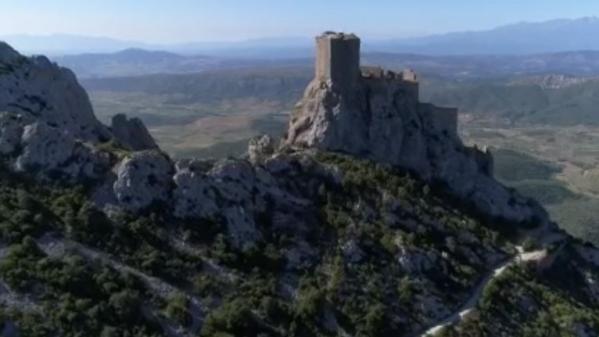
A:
(132, 62)
(556, 100)
(136, 62)
(521, 38)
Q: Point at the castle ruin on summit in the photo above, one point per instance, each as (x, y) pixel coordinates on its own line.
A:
(375, 114)
(338, 68)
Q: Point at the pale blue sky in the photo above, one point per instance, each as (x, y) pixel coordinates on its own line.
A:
(199, 20)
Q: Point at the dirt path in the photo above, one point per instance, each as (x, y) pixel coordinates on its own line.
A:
(470, 304)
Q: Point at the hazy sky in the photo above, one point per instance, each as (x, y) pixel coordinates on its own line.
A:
(196, 20)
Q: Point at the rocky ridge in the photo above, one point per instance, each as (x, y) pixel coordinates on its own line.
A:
(377, 117)
(353, 204)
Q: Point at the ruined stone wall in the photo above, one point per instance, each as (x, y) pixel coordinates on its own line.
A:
(377, 76)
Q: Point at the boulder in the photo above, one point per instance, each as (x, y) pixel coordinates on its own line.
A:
(143, 178)
(260, 148)
(51, 153)
(132, 133)
(194, 195)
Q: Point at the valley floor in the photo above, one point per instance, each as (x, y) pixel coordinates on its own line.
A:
(559, 166)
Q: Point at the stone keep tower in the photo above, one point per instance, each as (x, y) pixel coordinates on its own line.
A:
(338, 58)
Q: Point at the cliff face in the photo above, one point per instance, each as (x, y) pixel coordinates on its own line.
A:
(377, 115)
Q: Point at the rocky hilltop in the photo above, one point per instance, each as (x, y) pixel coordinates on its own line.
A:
(47, 122)
(375, 114)
(371, 218)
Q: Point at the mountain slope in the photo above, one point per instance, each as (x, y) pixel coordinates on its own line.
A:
(132, 62)
(291, 241)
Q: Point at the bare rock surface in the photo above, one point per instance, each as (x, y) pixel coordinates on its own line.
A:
(50, 152)
(36, 88)
(260, 148)
(47, 125)
(143, 178)
(132, 133)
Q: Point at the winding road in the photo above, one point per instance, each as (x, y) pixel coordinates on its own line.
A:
(474, 298)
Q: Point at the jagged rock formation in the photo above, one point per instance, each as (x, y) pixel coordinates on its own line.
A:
(47, 124)
(376, 114)
(41, 91)
(260, 148)
(143, 178)
(132, 133)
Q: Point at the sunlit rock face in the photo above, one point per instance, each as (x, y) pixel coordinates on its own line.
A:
(40, 90)
(47, 125)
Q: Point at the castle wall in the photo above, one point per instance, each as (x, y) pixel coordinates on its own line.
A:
(338, 58)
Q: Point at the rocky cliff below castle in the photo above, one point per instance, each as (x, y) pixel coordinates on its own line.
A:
(370, 219)
(376, 114)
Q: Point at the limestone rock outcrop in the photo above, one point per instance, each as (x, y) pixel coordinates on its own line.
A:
(51, 154)
(143, 178)
(376, 114)
(132, 133)
(38, 89)
(260, 148)
(47, 125)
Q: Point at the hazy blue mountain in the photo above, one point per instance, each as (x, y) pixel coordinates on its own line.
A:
(133, 62)
(59, 44)
(137, 62)
(67, 44)
(265, 48)
(521, 38)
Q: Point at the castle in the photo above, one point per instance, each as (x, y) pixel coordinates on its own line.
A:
(376, 114)
(338, 66)
(338, 60)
